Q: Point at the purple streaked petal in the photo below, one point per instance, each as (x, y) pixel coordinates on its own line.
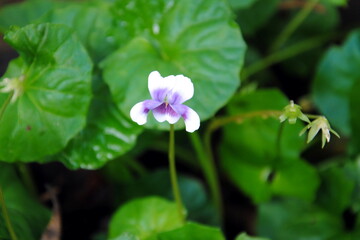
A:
(191, 118)
(159, 86)
(183, 89)
(139, 111)
(165, 112)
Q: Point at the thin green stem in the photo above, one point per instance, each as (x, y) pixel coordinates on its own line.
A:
(293, 25)
(4, 106)
(312, 116)
(182, 153)
(6, 216)
(221, 121)
(173, 177)
(209, 169)
(284, 54)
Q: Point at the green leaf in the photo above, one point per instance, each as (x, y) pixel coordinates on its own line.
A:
(239, 4)
(334, 80)
(296, 220)
(338, 2)
(107, 135)
(251, 19)
(23, 13)
(355, 119)
(52, 109)
(352, 172)
(319, 24)
(145, 218)
(193, 38)
(252, 158)
(126, 236)
(94, 25)
(244, 236)
(194, 196)
(336, 190)
(193, 231)
(28, 217)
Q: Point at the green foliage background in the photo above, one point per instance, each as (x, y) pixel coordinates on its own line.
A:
(85, 64)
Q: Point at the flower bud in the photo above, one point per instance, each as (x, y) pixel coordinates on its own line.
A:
(293, 112)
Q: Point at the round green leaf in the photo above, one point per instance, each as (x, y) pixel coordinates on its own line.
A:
(194, 196)
(52, 109)
(93, 23)
(193, 231)
(28, 217)
(107, 135)
(145, 218)
(335, 77)
(193, 38)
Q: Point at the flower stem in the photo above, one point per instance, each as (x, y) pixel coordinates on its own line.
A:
(293, 25)
(173, 177)
(6, 216)
(209, 169)
(312, 116)
(4, 106)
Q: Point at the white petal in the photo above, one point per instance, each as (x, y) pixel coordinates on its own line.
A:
(183, 89)
(166, 113)
(191, 118)
(138, 113)
(159, 86)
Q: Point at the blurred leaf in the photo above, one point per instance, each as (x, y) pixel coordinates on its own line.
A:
(296, 220)
(193, 38)
(336, 189)
(126, 236)
(194, 196)
(239, 4)
(57, 93)
(252, 159)
(338, 2)
(145, 218)
(352, 172)
(319, 24)
(355, 119)
(27, 216)
(244, 236)
(23, 13)
(334, 80)
(256, 15)
(320, 21)
(193, 231)
(93, 23)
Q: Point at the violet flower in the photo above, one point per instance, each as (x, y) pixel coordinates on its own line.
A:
(167, 95)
